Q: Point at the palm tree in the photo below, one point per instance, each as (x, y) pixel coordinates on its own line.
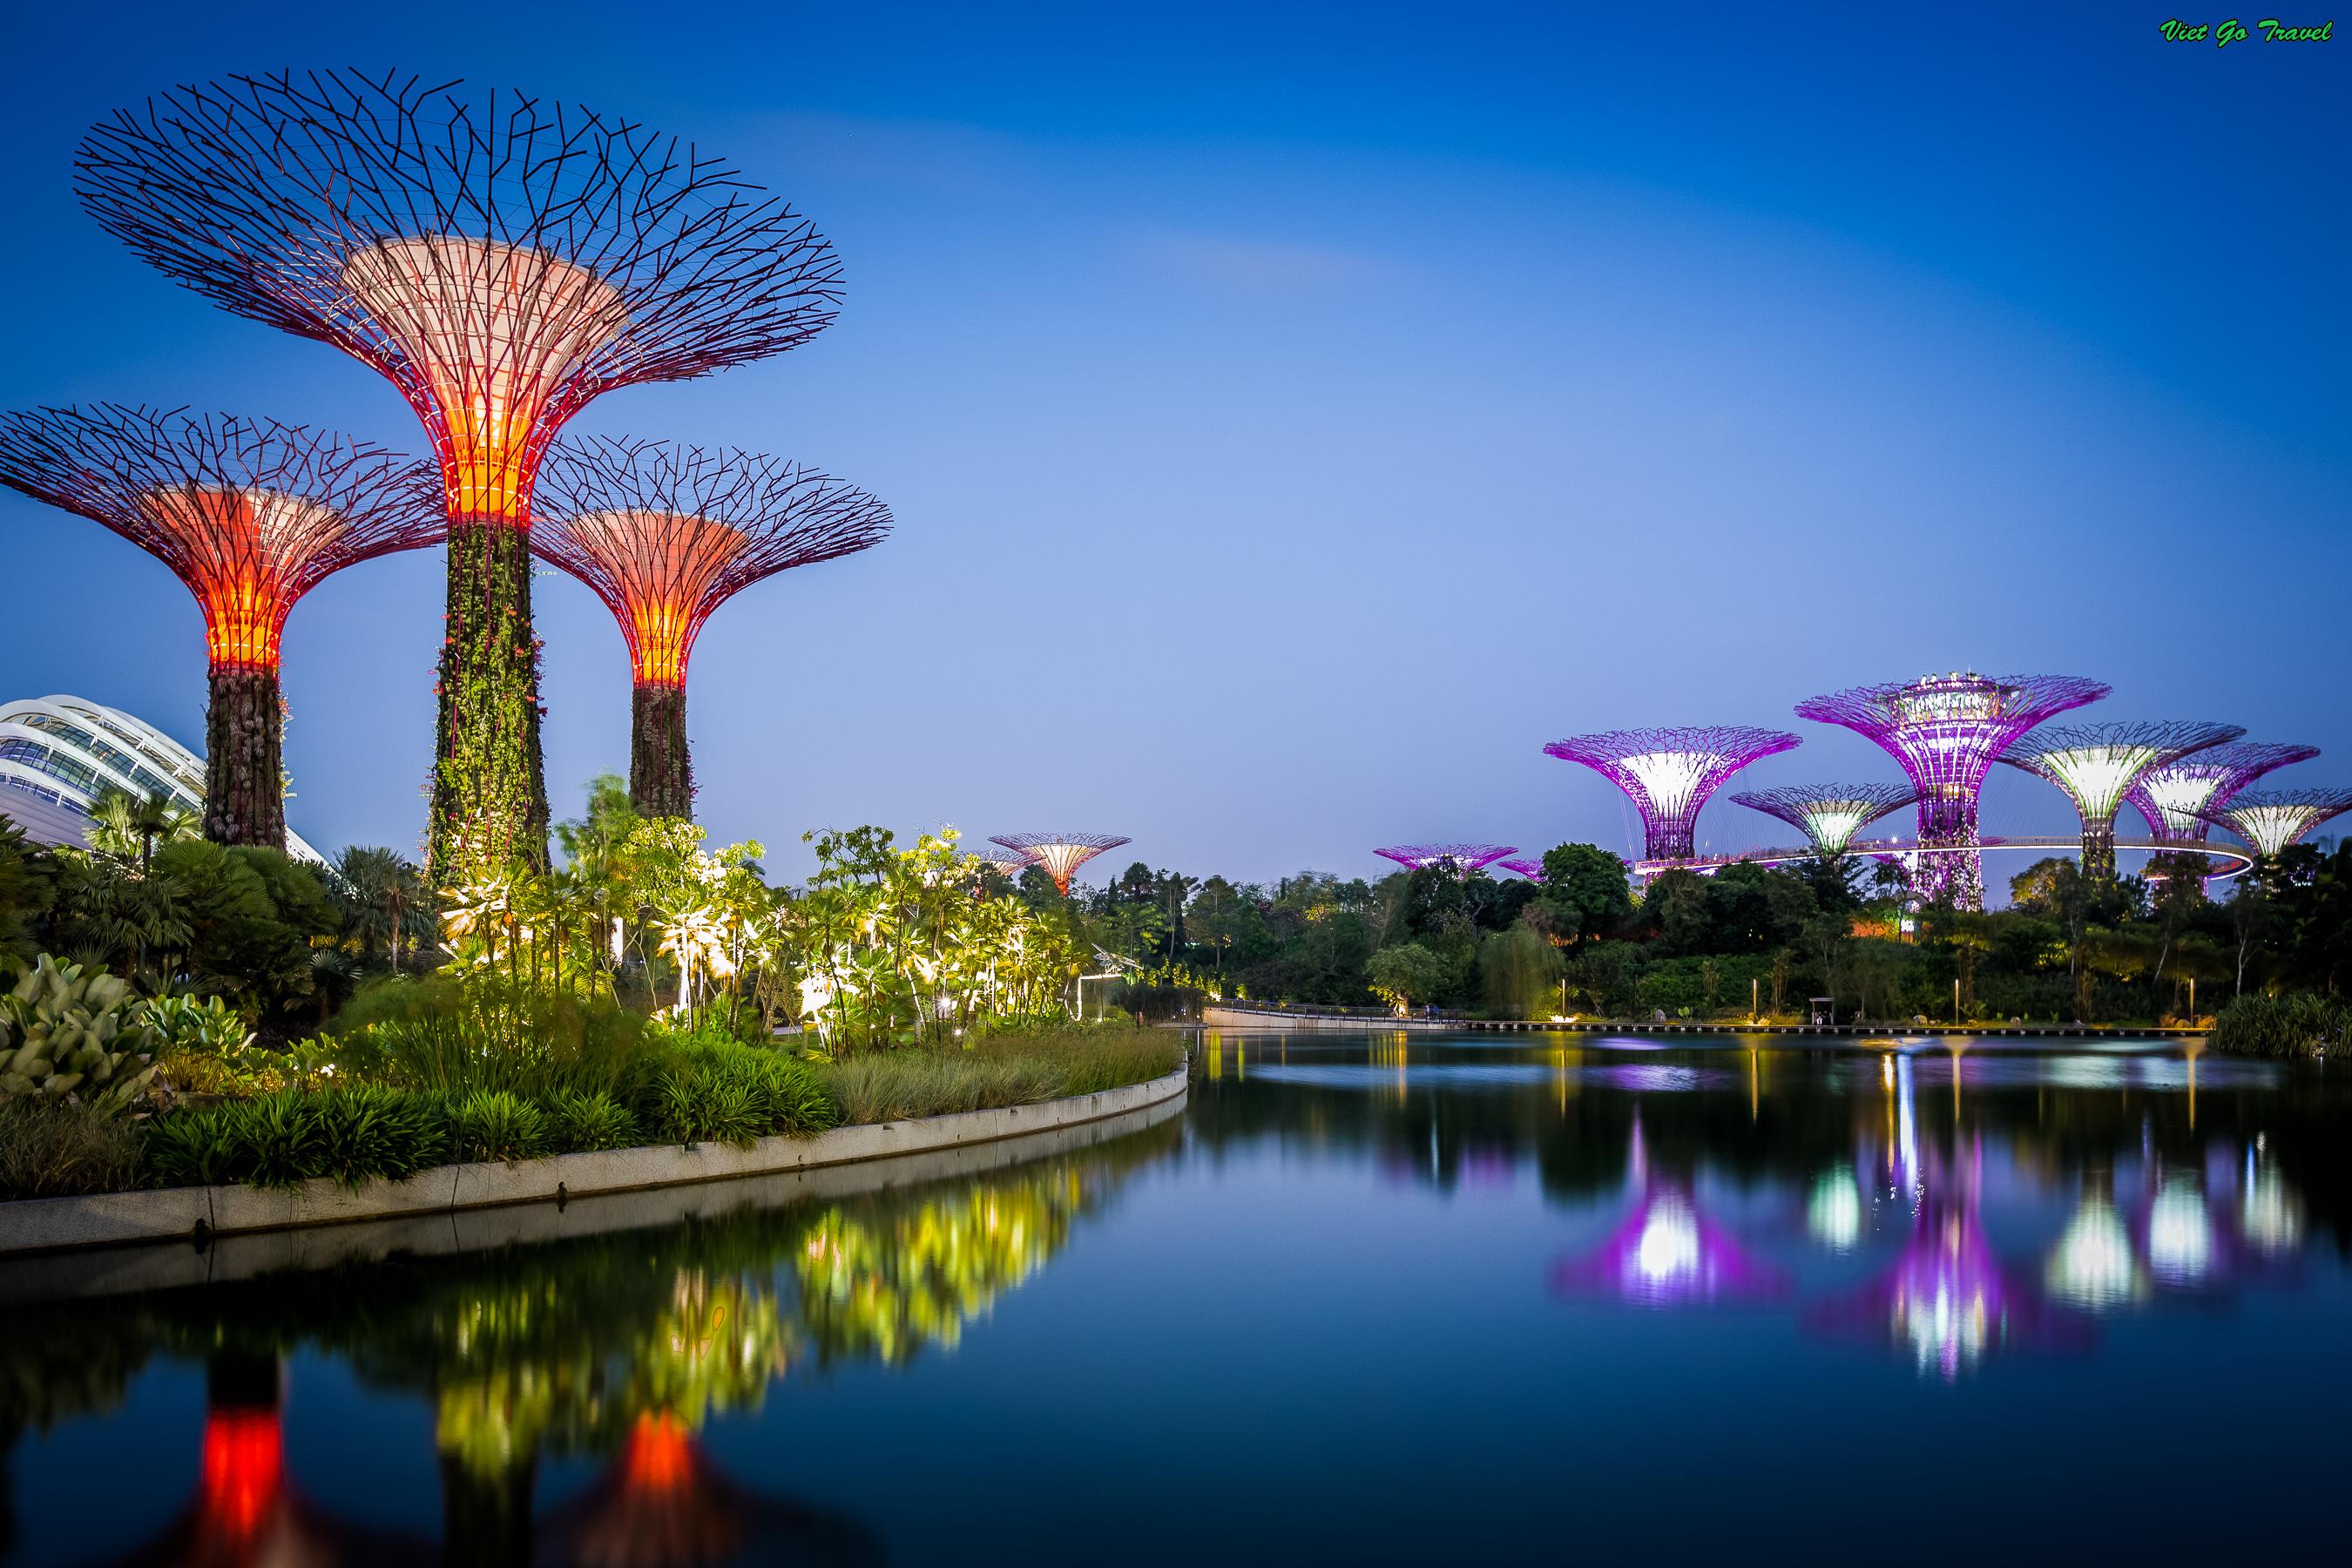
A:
(126, 825)
(383, 896)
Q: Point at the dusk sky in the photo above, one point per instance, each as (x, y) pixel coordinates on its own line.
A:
(1297, 416)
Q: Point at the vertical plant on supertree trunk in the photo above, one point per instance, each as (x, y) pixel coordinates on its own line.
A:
(502, 259)
(251, 515)
(665, 534)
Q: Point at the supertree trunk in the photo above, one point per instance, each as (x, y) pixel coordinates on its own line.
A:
(245, 780)
(661, 773)
(489, 797)
(2099, 855)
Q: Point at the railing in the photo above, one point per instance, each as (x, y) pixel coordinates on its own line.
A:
(1326, 1010)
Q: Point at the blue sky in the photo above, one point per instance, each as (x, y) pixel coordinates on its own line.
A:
(1294, 417)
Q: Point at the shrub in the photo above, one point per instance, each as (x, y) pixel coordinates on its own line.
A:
(2301, 1024)
(69, 1035)
(350, 1134)
(579, 1122)
(51, 1150)
(491, 1124)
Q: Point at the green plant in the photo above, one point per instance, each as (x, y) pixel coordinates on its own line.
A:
(578, 1122)
(350, 1134)
(2300, 1023)
(67, 1035)
(49, 1150)
(492, 1124)
(185, 1023)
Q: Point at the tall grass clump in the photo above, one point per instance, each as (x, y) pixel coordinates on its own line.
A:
(2301, 1024)
(55, 1151)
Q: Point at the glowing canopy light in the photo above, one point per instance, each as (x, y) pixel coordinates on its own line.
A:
(1059, 855)
(502, 259)
(1829, 816)
(2271, 820)
(1531, 869)
(1946, 730)
(488, 335)
(2096, 764)
(1669, 773)
(667, 533)
(2173, 797)
(251, 515)
(1460, 858)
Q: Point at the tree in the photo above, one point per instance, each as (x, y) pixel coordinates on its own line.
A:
(1399, 974)
(1520, 972)
(27, 888)
(128, 826)
(1825, 937)
(1584, 891)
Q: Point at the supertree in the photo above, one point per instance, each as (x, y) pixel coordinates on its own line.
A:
(2096, 763)
(2271, 819)
(251, 515)
(502, 260)
(1059, 855)
(1669, 773)
(1012, 862)
(1946, 730)
(1463, 859)
(665, 534)
(1829, 816)
(1531, 869)
(2174, 798)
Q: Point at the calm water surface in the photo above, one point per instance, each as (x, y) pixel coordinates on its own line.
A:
(1372, 1298)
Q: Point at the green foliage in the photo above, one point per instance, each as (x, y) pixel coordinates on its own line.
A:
(1401, 975)
(579, 1122)
(27, 888)
(446, 1034)
(492, 1124)
(73, 1037)
(1584, 894)
(2299, 1024)
(52, 1150)
(1022, 1068)
(1521, 974)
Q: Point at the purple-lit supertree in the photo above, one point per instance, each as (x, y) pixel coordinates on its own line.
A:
(1829, 816)
(1463, 859)
(2272, 819)
(1669, 773)
(2096, 764)
(1946, 730)
(1531, 869)
(2174, 798)
(1059, 855)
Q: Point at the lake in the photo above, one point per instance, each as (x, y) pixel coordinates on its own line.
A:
(1370, 1297)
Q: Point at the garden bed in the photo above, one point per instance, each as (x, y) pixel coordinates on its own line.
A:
(199, 1212)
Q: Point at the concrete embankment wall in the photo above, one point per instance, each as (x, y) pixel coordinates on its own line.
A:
(215, 1215)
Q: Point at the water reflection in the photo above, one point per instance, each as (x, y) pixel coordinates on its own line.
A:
(1665, 1253)
(621, 1347)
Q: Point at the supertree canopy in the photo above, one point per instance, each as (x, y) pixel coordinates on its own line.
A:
(1461, 858)
(1670, 773)
(1946, 730)
(665, 534)
(1012, 862)
(502, 259)
(2271, 819)
(1829, 816)
(2175, 797)
(1059, 855)
(2096, 763)
(251, 515)
(1531, 869)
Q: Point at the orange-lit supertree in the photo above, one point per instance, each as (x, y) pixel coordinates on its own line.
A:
(502, 259)
(251, 515)
(665, 534)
